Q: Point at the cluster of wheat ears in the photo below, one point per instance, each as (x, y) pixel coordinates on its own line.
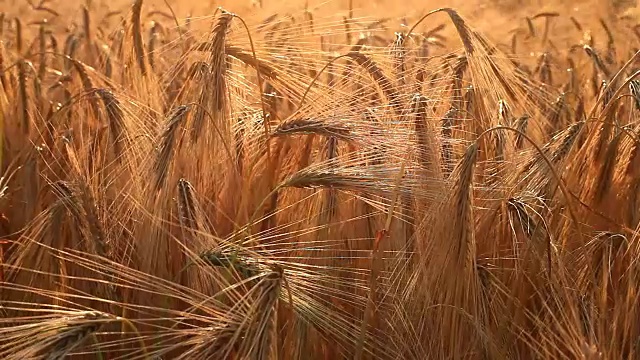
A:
(297, 188)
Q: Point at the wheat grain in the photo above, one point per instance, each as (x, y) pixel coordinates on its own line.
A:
(138, 44)
(25, 119)
(314, 126)
(70, 48)
(447, 131)
(169, 141)
(376, 73)
(115, 119)
(153, 35)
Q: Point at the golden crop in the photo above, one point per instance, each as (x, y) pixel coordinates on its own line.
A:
(319, 181)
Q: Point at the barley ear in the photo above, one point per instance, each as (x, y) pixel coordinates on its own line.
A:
(138, 44)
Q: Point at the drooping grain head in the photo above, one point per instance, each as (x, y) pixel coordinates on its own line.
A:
(170, 141)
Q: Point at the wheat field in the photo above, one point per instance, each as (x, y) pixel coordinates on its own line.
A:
(319, 180)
